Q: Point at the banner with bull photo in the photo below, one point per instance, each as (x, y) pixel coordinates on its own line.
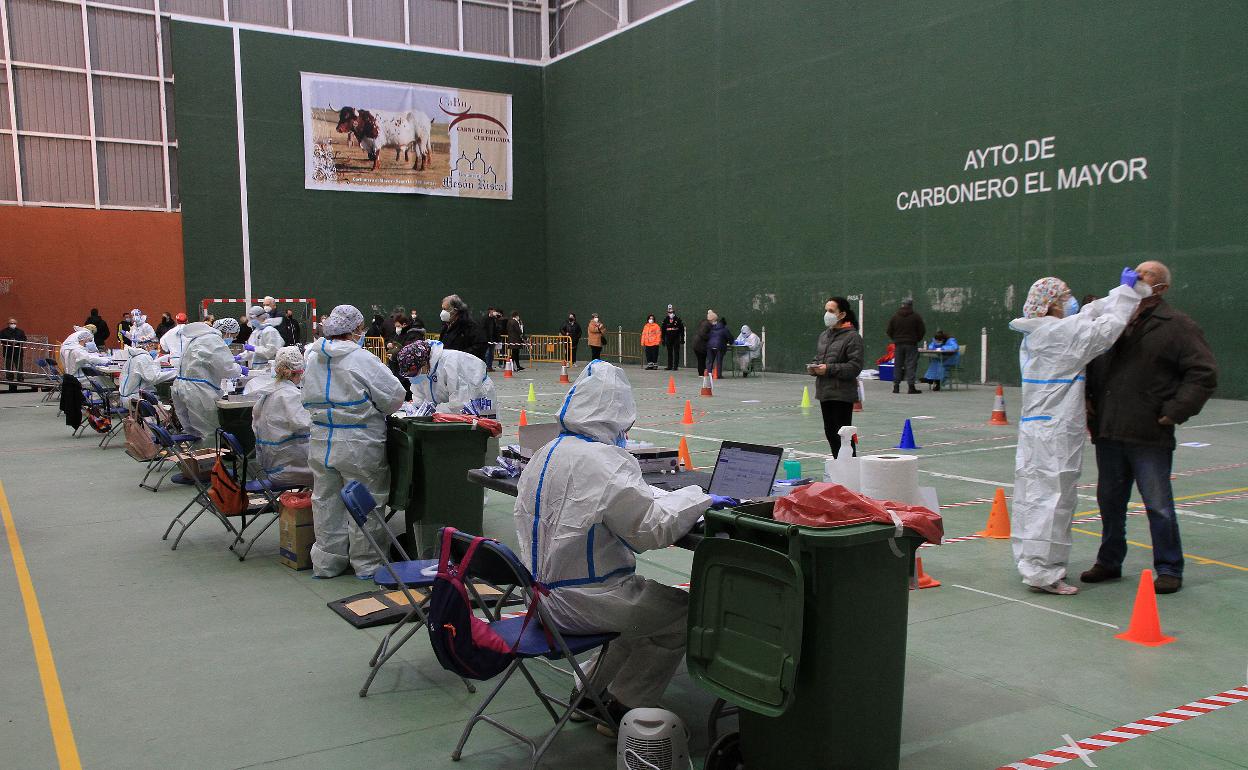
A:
(383, 136)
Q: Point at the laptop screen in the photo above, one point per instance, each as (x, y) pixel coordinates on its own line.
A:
(745, 471)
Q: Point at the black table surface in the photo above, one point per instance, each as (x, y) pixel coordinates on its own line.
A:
(510, 487)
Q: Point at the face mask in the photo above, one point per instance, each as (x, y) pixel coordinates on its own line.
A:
(91, 346)
(12, 326)
(830, 319)
(445, 316)
(621, 440)
(254, 323)
(671, 315)
(360, 341)
(268, 309)
(1072, 306)
(421, 384)
(154, 353)
(228, 340)
(398, 330)
(571, 318)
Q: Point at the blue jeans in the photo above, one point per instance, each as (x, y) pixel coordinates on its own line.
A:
(1118, 466)
(715, 361)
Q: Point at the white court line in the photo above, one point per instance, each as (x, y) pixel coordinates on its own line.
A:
(1214, 425)
(988, 482)
(1037, 606)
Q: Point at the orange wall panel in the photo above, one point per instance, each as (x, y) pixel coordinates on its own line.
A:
(67, 261)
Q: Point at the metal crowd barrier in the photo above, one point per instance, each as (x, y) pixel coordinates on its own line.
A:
(19, 362)
(377, 346)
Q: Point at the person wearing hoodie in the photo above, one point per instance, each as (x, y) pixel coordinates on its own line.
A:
(79, 350)
(281, 423)
(905, 329)
(717, 342)
(172, 341)
(206, 361)
(349, 393)
(749, 349)
(1058, 342)
(166, 323)
(452, 381)
(141, 332)
(582, 512)
(141, 372)
(101, 327)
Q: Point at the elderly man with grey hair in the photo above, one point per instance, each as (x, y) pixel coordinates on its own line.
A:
(460, 331)
(1158, 374)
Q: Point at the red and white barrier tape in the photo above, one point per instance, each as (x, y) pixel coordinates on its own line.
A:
(1104, 740)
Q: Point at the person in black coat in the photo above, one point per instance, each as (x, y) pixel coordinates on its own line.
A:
(11, 338)
(700, 339)
(572, 329)
(459, 330)
(406, 333)
(717, 341)
(515, 339)
(290, 329)
(495, 334)
(673, 337)
(101, 328)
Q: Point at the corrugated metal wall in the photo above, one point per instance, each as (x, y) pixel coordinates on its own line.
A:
(80, 82)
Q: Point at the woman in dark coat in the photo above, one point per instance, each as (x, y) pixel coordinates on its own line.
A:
(836, 365)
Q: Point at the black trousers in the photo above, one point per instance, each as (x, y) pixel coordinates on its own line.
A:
(701, 361)
(905, 363)
(595, 352)
(836, 415)
(673, 356)
(652, 354)
(575, 344)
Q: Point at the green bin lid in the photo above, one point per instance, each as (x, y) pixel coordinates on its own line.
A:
(745, 624)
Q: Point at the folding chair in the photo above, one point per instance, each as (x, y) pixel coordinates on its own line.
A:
(262, 485)
(51, 372)
(495, 563)
(402, 575)
(110, 399)
(953, 372)
(164, 463)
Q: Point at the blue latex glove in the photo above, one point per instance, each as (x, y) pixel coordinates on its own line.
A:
(154, 353)
(245, 370)
(249, 348)
(1129, 277)
(237, 359)
(719, 501)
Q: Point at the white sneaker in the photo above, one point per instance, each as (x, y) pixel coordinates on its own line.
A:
(1060, 588)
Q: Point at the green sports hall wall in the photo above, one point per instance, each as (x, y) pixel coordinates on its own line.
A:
(749, 157)
(377, 249)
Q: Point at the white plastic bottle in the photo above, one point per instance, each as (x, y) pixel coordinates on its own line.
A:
(843, 469)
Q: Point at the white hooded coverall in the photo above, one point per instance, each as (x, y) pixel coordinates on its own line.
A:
(173, 342)
(141, 372)
(458, 383)
(582, 512)
(349, 392)
(1052, 427)
(74, 354)
(282, 427)
(206, 360)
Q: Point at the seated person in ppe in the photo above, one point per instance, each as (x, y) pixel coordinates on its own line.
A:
(79, 350)
(1058, 342)
(206, 361)
(936, 369)
(141, 372)
(582, 511)
(349, 392)
(140, 332)
(448, 381)
(754, 350)
(281, 423)
(172, 341)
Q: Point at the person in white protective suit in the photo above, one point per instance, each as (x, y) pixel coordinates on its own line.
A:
(206, 361)
(281, 423)
(79, 350)
(142, 372)
(172, 341)
(1059, 341)
(141, 332)
(349, 392)
(261, 347)
(582, 511)
(453, 381)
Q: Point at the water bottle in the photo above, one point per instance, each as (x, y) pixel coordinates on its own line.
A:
(792, 468)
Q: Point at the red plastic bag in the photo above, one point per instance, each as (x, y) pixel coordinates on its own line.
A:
(494, 427)
(832, 505)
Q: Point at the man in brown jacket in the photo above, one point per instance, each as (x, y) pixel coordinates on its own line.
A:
(1159, 374)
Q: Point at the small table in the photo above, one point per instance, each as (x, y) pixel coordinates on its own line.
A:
(511, 487)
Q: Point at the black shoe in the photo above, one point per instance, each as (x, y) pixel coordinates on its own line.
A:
(586, 704)
(617, 711)
(896, 388)
(936, 387)
(1167, 584)
(913, 390)
(1100, 573)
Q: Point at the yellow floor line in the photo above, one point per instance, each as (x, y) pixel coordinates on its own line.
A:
(1198, 559)
(1177, 499)
(58, 717)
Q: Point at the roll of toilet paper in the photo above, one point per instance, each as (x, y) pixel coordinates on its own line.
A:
(890, 477)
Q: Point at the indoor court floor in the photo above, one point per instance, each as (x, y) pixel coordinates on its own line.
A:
(192, 659)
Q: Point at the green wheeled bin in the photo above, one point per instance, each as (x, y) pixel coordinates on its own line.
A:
(803, 628)
(234, 415)
(440, 494)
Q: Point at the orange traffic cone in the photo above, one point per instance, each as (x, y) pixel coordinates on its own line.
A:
(563, 376)
(708, 388)
(922, 579)
(998, 409)
(862, 397)
(688, 418)
(507, 373)
(1145, 625)
(998, 526)
(683, 453)
(671, 386)
(524, 419)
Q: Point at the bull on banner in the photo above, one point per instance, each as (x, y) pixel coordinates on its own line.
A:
(383, 136)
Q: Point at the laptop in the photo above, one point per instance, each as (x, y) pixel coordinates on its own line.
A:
(743, 471)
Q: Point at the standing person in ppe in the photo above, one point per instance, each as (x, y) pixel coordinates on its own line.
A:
(1058, 342)
(172, 341)
(261, 347)
(582, 511)
(452, 381)
(349, 392)
(141, 332)
(142, 372)
(206, 361)
(281, 423)
(749, 349)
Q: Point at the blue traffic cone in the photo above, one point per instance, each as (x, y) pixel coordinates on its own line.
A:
(907, 438)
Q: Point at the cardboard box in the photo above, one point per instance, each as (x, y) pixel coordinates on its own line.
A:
(296, 536)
